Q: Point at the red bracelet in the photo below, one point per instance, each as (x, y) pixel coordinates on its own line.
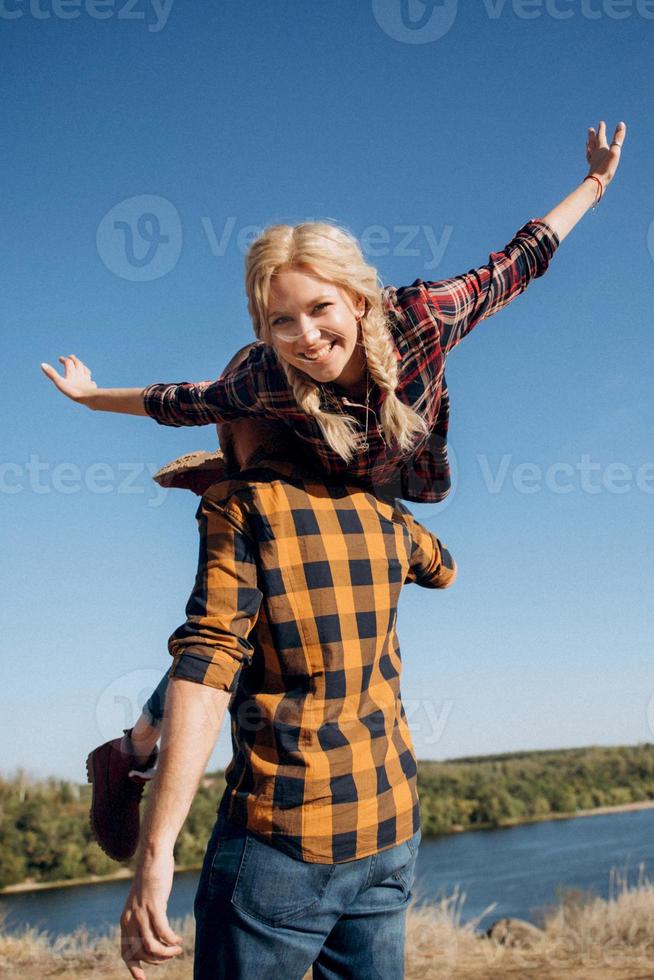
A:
(601, 188)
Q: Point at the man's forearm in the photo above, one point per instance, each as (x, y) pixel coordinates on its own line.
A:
(128, 401)
(192, 721)
(572, 208)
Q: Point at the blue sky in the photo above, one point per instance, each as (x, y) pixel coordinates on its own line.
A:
(433, 131)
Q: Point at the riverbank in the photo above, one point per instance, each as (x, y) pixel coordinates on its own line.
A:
(596, 811)
(590, 939)
(126, 873)
(40, 886)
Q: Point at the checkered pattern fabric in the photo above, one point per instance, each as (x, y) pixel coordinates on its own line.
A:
(323, 764)
(427, 319)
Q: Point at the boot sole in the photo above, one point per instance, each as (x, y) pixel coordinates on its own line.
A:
(90, 777)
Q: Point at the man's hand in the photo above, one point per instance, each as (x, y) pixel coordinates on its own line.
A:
(146, 935)
(76, 381)
(194, 714)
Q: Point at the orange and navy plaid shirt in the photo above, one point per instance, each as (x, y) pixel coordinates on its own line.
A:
(323, 765)
(426, 319)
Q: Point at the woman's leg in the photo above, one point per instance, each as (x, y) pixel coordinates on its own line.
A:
(118, 771)
(145, 734)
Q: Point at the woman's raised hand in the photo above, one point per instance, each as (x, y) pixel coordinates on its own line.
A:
(603, 159)
(76, 382)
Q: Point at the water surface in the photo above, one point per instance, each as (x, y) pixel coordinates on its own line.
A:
(518, 868)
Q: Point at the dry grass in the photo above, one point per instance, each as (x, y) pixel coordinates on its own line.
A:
(583, 939)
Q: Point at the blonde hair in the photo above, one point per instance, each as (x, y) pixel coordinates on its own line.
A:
(332, 254)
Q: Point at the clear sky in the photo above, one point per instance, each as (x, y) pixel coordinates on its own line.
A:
(141, 145)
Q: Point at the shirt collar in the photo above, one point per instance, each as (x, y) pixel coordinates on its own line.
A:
(276, 459)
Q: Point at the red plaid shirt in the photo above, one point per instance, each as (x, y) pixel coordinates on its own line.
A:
(427, 319)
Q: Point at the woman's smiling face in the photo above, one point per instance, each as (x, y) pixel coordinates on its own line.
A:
(313, 325)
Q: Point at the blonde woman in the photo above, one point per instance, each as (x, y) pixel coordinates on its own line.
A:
(356, 369)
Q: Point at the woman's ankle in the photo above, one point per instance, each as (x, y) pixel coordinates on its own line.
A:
(141, 741)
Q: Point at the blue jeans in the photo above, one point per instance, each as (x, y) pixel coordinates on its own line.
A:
(261, 913)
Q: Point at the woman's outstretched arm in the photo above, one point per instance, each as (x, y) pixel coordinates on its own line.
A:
(257, 386)
(603, 162)
(457, 304)
(76, 383)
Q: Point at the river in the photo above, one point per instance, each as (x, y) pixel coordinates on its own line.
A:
(519, 868)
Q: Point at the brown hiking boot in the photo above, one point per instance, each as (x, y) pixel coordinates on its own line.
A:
(118, 782)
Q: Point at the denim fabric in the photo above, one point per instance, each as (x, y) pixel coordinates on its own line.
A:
(261, 913)
(153, 709)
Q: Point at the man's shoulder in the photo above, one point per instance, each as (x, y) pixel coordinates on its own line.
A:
(250, 487)
(231, 495)
(272, 483)
(268, 477)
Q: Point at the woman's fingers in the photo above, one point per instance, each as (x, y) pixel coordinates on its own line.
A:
(68, 365)
(75, 382)
(591, 143)
(79, 364)
(71, 365)
(603, 158)
(53, 374)
(73, 362)
(619, 136)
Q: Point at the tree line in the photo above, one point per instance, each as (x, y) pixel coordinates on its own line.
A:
(45, 833)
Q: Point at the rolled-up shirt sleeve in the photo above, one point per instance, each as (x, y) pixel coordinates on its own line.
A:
(255, 387)
(212, 646)
(457, 304)
(431, 565)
